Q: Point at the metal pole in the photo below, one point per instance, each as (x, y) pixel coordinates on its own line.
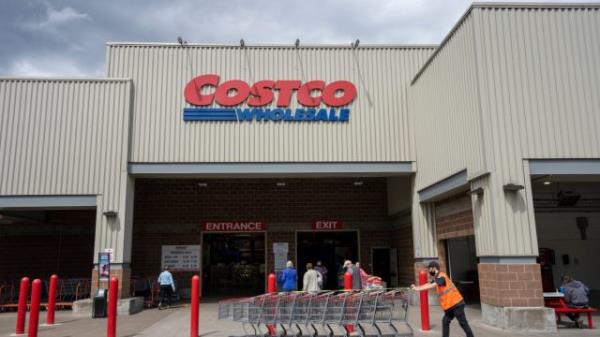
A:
(51, 300)
(195, 306)
(348, 286)
(424, 302)
(34, 313)
(22, 311)
(113, 289)
(271, 289)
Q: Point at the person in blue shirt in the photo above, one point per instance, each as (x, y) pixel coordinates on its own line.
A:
(289, 277)
(167, 286)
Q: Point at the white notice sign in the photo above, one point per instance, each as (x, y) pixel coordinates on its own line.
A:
(181, 258)
(280, 250)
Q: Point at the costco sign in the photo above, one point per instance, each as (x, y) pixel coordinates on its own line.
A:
(320, 101)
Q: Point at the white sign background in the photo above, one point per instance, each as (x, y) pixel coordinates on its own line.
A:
(181, 257)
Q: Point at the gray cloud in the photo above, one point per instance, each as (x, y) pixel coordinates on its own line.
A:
(67, 37)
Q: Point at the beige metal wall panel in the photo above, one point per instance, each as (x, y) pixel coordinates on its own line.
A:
(540, 76)
(67, 137)
(378, 130)
(445, 114)
(444, 106)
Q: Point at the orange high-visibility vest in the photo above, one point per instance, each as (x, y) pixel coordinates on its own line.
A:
(448, 294)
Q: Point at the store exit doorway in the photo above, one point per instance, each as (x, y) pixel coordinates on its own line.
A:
(331, 248)
(462, 266)
(233, 264)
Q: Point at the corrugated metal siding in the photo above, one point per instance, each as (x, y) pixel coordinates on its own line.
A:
(539, 75)
(378, 129)
(66, 137)
(444, 104)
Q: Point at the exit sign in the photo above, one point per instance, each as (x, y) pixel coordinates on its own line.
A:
(327, 225)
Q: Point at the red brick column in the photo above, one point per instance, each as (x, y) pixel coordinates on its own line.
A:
(122, 273)
(510, 285)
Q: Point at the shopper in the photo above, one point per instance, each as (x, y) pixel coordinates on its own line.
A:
(576, 296)
(363, 275)
(289, 277)
(355, 272)
(167, 287)
(312, 279)
(323, 271)
(450, 299)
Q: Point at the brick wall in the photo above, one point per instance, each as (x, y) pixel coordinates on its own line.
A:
(403, 241)
(171, 211)
(454, 218)
(511, 285)
(300, 201)
(369, 240)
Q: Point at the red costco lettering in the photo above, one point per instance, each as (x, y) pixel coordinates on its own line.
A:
(236, 92)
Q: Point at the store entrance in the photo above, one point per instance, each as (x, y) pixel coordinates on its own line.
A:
(331, 248)
(462, 266)
(233, 264)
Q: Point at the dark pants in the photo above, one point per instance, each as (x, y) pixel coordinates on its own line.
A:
(457, 311)
(165, 294)
(575, 316)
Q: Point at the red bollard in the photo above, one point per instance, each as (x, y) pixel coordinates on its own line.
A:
(271, 289)
(424, 302)
(348, 286)
(51, 300)
(347, 281)
(34, 313)
(195, 306)
(23, 293)
(113, 292)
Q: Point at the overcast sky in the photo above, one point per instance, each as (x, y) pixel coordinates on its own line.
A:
(67, 37)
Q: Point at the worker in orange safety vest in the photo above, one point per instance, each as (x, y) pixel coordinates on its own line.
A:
(450, 299)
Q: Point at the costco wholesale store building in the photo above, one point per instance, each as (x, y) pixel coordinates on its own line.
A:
(482, 153)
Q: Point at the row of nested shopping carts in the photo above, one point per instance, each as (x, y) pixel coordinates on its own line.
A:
(381, 313)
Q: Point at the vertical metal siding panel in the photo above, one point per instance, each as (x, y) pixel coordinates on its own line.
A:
(49, 132)
(539, 96)
(377, 132)
(446, 111)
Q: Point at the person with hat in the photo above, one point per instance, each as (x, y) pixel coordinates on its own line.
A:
(450, 299)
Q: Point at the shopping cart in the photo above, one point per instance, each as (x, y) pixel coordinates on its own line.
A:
(325, 314)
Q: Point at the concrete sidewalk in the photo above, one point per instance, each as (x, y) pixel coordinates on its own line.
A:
(175, 323)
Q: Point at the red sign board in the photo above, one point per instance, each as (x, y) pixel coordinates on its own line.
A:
(234, 226)
(321, 225)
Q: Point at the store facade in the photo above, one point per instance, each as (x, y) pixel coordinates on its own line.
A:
(231, 160)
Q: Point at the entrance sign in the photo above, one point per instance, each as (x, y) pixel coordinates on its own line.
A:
(234, 226)
(206, 90)
(181, 257)
(327, 225)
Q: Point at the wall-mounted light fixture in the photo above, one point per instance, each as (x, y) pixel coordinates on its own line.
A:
(478, 191)
(358, 183)
(280, 184)
(202, 184)
(110, 214)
